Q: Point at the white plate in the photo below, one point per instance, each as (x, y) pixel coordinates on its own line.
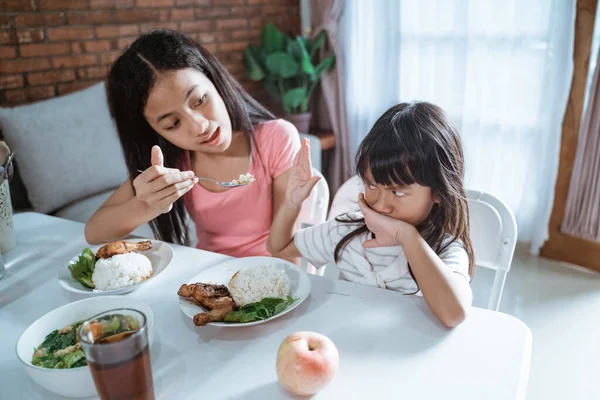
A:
(221, 275)
(160, 255)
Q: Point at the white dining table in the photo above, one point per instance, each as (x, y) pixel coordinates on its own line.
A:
(390, 345)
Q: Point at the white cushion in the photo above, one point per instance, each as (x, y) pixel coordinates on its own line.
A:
(67, 147)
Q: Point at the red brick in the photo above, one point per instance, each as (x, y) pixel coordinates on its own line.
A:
(246, 11)
(252, 2)
(40, 19)
(155, 3)
(126, 41)
(232, 24)
(230, 57)
(63, 4)
(17, 5)
(80, 60)
(44, 49)
(198, 26)
(96, 46)
(232, 46)
(136, 15)
(11, 81)
(276, 9)
(105, 4)
(223, 36)
(5, 22)
(210, 12)
(258, 22)
(91, 17)
(71, 33)
(24, 65)
(8, 51)
(6, 37)
(228, 2)
(245, 35)
(164, 15)
(116, 30)
(30, 94)
(94, 72)
(64, 88)
(182, 14)
(159, 25)
(29, 36)
(50, 77)
(205, 38)
(193, 2)
(211, 47)
(109, 58)
(76, 47)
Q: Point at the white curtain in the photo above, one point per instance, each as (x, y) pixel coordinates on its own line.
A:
(501, 69)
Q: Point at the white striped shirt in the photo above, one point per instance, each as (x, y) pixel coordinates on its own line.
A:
(385, 267)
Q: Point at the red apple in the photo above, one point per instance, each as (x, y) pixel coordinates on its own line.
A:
(306, 362)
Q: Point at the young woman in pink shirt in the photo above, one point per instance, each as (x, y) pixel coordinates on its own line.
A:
(180, 114)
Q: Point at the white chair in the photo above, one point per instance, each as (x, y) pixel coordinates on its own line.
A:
(313, 212)
(494, 237)
(492, 224)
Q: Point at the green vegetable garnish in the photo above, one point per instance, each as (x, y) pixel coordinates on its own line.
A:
(261, 310)
(83, 269)
(56, 351)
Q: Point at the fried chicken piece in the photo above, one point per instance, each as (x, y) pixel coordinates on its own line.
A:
(122, 247)
(217, 314)
(215, 298)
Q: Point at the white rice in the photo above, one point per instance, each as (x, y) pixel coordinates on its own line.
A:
(254, 284)
(121, 270)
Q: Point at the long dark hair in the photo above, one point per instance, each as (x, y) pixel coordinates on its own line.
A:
(130, 81)
(417, 143)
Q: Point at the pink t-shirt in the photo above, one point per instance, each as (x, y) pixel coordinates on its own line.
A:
(237, 222)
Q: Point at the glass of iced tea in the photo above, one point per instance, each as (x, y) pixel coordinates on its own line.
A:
(116, 347)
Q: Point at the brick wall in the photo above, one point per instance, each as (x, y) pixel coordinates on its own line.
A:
(52, 47)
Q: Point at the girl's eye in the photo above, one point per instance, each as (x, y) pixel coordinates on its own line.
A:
(200, 101)
(399, 194)
(175, 125)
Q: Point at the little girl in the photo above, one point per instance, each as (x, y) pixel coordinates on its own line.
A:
(412, 231)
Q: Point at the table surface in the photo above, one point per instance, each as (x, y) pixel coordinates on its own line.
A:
(390, 345)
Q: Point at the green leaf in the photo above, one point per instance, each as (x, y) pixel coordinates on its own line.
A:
(282, 65)
(249, 317)
(252, 63)
(305, 62)
(318, 42)
(323, 66)
(83, 269)
(234, 316)
(293, 97)
(272, 39)
(71, 359)
(294, 49)
(272, 90)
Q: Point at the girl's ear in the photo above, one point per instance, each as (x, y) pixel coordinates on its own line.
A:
(437, 199)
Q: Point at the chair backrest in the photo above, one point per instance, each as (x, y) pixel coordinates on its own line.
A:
(346, 198)
(314, 209)
(493, 230)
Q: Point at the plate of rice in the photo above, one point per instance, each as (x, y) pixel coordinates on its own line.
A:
(113, 274)
(251, 280)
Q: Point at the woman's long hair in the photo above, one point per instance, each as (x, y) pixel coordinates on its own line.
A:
(132, 77)
(417, 143)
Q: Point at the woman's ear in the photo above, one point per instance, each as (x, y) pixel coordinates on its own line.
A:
(437, 199)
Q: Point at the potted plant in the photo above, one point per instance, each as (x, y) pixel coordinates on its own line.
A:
(290, 70)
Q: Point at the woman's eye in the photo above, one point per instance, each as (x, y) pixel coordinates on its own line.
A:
(200, 101)
(372, 187)
(175, 125)
(399, 194)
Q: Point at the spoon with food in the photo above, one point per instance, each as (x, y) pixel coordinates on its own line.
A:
(243, 180)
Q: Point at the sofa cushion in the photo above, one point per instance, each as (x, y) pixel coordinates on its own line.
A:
(82, 210)
(67, 147)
